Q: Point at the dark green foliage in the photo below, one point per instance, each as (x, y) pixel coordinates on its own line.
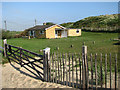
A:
(6, 35)
(67, 25)
(49, 23)
(24, 33)
(9, 34)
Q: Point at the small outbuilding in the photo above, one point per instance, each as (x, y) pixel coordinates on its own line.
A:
(51, 31)
(74, 32)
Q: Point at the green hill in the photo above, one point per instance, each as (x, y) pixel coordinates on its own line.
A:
(67, 25)
(96, 23)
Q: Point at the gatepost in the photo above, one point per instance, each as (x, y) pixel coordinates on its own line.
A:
(46, 64)
(5, 42)
(85, 70)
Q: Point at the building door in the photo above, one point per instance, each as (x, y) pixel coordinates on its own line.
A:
(32, 33)
(64, 33)
(56, 33)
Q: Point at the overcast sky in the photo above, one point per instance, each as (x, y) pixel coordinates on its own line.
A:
(21, 15)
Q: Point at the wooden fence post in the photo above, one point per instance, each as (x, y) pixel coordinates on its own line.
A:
(85, 73)
(46, 64)
(5, 42)
(20, 56)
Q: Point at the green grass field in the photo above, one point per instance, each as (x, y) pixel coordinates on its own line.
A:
(103, 43)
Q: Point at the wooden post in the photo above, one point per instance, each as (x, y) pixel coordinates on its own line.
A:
(91, 71)
(20, 61)
(101, 71)
(69, 70)
(72, 72)
(85, 73)
(46, 57)
(96, 70)
(58, 70)
(116, 72)
(66, 69)
(5, 42)
(76, 72)
(63, 69)
(105, 70)
(80, 69)
(52, 68)
(110, 72)
(29, 37)
(55, 68)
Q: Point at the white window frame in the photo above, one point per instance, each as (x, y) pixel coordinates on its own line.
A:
(77, 31)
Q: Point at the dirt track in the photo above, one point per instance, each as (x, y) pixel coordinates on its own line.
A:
(12, 78)
(17, 77)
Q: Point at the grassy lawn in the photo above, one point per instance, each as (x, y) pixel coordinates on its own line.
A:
(102, 44)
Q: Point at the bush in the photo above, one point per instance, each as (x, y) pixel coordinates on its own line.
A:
(17, 36)
(6, 34)
(24, 33)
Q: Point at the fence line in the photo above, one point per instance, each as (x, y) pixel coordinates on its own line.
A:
(73, 70)
(79, 71)
(69, 71)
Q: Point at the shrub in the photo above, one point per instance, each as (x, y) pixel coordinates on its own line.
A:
(24, 33)
(17, 36)
(6, 34)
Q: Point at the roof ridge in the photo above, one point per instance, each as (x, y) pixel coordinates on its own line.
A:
(43, 27)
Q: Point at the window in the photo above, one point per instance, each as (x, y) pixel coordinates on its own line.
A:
(77, 31)
(41, 32)
(57, 31)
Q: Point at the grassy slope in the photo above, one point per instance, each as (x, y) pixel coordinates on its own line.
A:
(102, 21)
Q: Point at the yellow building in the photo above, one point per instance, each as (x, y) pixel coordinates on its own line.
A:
(74, 32)
(51, 31)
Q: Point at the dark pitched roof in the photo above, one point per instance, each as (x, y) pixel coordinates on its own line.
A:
(39, 27)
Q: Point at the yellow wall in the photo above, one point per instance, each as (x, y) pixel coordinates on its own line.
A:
(50, 33)
(72, 32)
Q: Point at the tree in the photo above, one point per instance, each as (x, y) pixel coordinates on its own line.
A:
(6, 34)
(49, 23)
